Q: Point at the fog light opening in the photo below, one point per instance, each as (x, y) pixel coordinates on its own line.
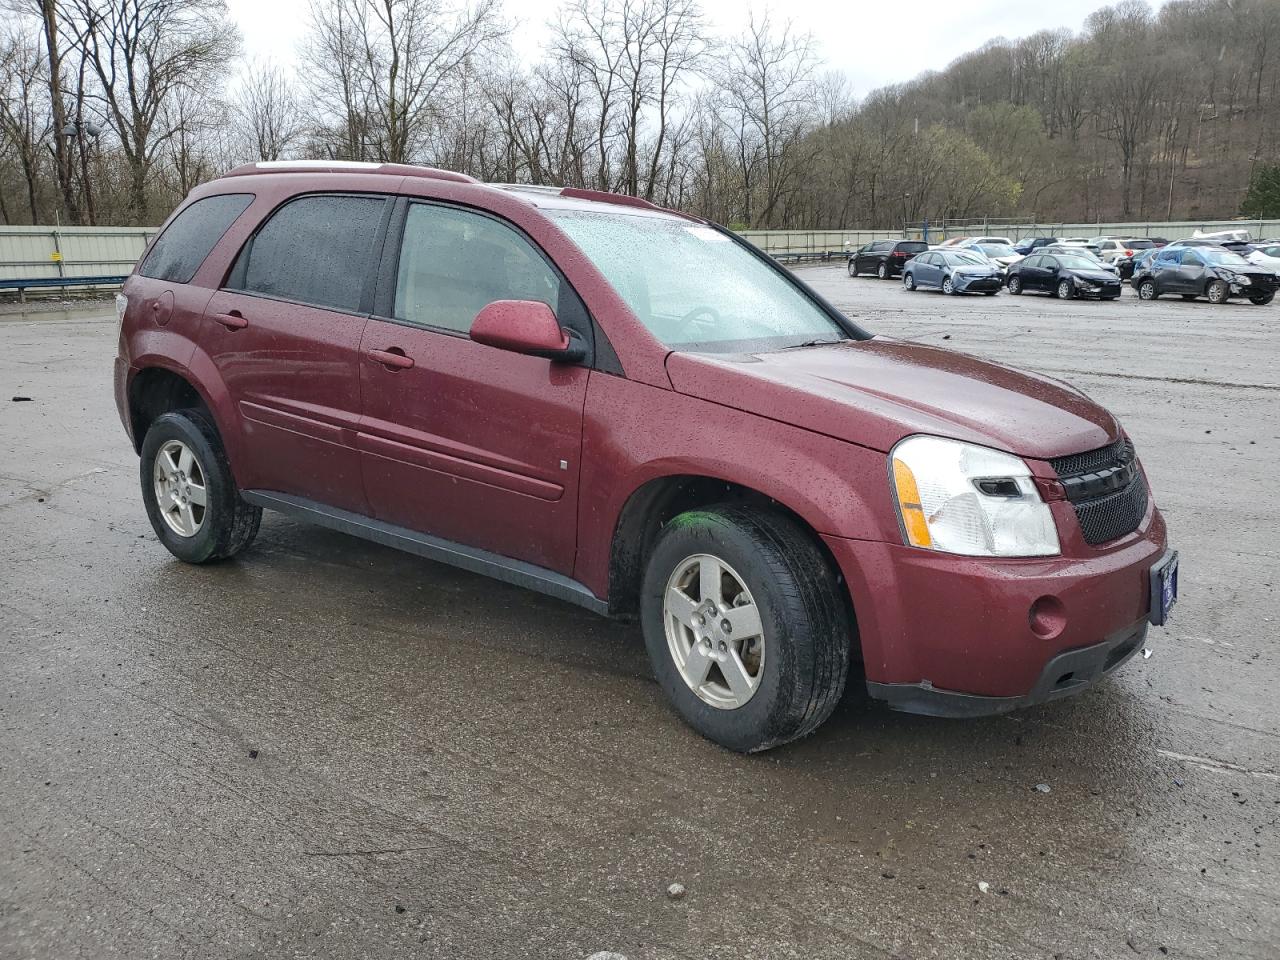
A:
(1047, 617)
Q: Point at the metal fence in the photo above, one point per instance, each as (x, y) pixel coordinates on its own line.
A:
(31, 253)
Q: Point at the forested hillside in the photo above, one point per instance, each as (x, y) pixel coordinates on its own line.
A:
(111, 110)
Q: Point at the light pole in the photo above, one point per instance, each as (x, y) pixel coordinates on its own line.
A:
(81, 130)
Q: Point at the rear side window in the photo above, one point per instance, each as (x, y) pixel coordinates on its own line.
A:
(915, 246)
(453, 263)
(178, 253)
(315, 250)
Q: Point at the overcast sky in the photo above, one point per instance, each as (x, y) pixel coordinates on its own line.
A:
(875, 42)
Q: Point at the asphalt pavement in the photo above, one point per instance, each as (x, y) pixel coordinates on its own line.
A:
(330, 749)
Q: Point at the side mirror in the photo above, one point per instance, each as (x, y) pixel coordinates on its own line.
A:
(526, 326)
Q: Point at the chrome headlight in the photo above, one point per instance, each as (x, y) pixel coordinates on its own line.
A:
(962, 498)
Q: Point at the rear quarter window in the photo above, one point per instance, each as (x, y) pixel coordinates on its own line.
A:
(316, 249)
(178, 252)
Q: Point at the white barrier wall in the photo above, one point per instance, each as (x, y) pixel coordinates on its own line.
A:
(37, 252)
(34, 252)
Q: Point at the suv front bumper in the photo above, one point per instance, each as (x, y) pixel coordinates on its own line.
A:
(951, 635)
(1066, 674)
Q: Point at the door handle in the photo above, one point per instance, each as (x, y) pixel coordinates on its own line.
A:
(232, 320)
(393, 358)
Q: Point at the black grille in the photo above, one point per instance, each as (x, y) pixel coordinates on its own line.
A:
(1107, 489)
(1081, 463)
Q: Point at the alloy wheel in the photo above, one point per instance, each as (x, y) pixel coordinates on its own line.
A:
(180, 489)
(1217, 292)
(1064, 290)
(947, 285)
(714, 632)
(1146, 290)
(882, 271)
(1015, 286)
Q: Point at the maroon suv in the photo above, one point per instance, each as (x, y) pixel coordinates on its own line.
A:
(638, 412)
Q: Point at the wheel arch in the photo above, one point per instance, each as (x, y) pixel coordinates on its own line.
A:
(159, 387)
(657, 501)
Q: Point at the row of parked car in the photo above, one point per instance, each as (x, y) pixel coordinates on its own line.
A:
(1215, 266)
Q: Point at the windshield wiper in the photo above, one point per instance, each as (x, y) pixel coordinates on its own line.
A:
(813, 343)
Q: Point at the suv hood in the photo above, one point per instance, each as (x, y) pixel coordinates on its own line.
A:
(875, 392)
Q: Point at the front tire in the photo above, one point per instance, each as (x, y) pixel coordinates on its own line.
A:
(1217, 291)
(853, 268)
(1262, 299)
(908, 281)
(188, 490)
(1015, 285)
(746, 626)
(947, 286)
(1065, 290)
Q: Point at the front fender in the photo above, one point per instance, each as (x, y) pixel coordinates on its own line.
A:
(634, 433)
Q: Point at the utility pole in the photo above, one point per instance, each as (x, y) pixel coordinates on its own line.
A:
(61, 145)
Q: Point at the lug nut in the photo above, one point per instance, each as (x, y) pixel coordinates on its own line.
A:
(726, 626)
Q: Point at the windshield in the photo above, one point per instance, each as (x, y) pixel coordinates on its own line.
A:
(1074, 262)
(1222, 258)
(693, 286)
(969, 258)
(997, 250)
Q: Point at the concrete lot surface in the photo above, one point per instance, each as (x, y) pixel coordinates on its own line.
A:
(329, 749)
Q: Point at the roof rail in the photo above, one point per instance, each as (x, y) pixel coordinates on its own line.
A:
(347, 166)
(603, 196)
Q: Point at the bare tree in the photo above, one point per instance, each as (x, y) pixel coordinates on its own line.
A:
(268, 115)
(141, 53)
(23, 123)
(392, 69)
(767, 96)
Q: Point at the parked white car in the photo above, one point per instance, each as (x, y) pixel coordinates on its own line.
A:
(1000, 253)
(1266, 257)
(1111, 249)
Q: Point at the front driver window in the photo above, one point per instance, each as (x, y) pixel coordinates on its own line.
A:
(453, 263)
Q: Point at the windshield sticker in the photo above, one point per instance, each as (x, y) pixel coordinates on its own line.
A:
(707, 235)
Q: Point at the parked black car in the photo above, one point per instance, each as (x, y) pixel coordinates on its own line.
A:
(1196, 271)
(885, 258)
(1063, 275)
(1028, 244)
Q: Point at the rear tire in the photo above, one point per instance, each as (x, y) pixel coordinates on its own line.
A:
(183, 462)
(1262, 299)
(882, 271)
(1015, 286)
(801, 621)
